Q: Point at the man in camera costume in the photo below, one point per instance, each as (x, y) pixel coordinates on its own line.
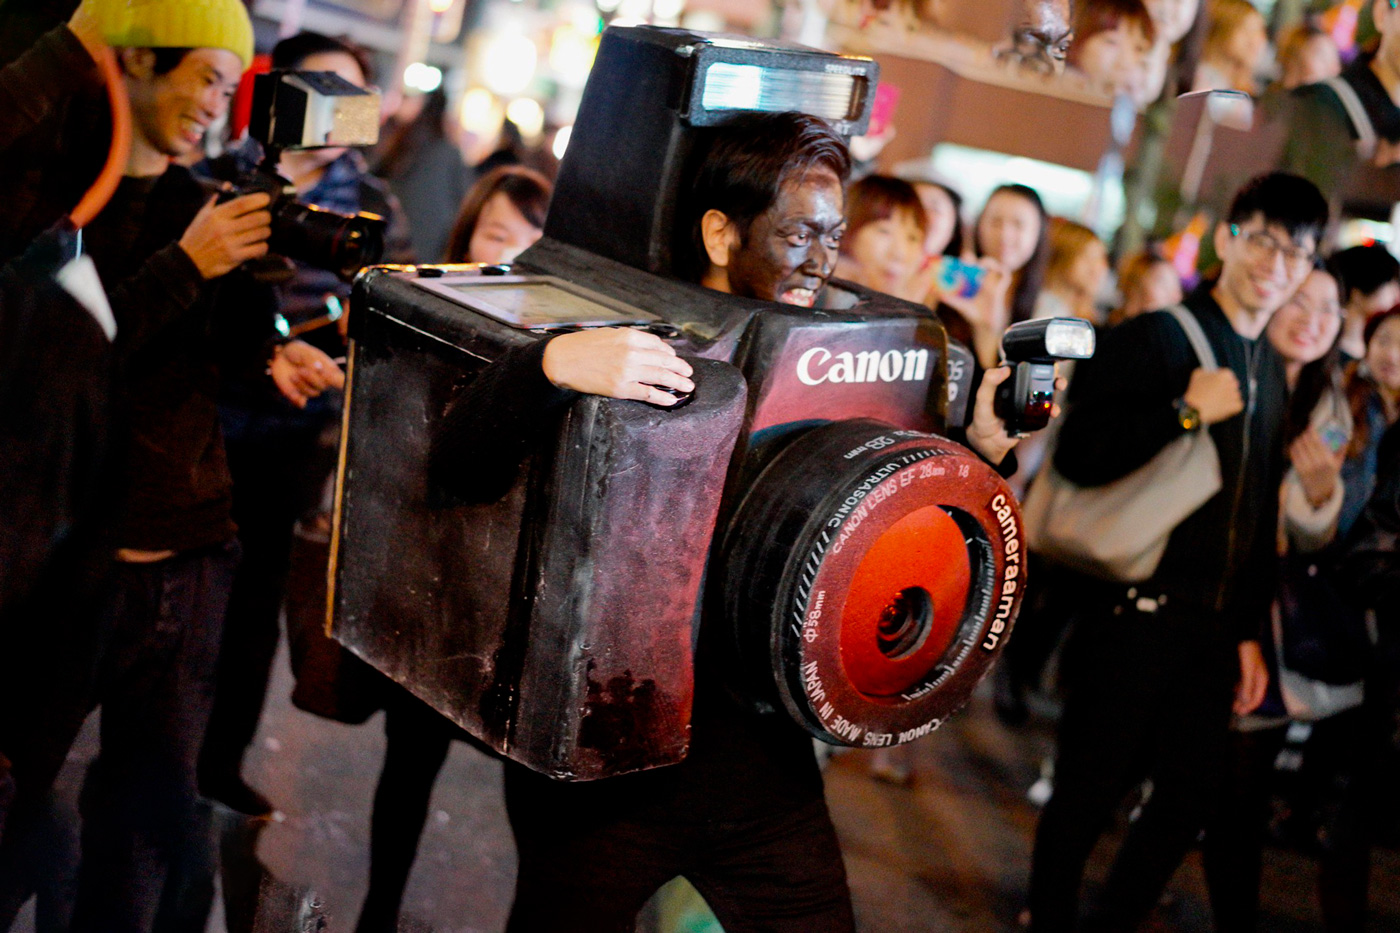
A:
(743, 817)
(525, 520)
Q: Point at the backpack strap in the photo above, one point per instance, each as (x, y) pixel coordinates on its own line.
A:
(1195, 336)
(1356, 111)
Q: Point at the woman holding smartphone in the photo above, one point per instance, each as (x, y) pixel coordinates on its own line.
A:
(1012, 250)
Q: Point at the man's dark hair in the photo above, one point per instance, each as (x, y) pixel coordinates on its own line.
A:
(293, 50)
(1291, 202)
(167, 60)
(741, 168)
(1365, 269)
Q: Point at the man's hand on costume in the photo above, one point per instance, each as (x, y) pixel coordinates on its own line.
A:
(987, 433)
(617, 363)
(303, 372)
(223, 236)
(1254, 678)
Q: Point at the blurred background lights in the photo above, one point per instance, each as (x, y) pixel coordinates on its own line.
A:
(527, 114)
(421, 77)
(508, 64)
(668, 12)
(480, 112)
(561, 141)
(609, 6)
(571, 54)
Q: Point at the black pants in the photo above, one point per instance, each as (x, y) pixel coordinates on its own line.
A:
(1147, 695)
(1049, 610)
(418, 742)
(278, 470)
(589, 873)
(49, 644)
(1336, 760)
(155, 685)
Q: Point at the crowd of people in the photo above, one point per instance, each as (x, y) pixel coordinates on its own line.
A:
(187, 453)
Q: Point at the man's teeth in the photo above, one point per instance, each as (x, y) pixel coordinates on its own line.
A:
(804, 297)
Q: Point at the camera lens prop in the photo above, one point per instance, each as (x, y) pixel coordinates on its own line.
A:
(870, 598)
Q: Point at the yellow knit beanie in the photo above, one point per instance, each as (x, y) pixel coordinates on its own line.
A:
(173, 24)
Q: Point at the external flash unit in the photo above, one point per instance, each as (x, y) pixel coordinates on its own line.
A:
(1025, 400)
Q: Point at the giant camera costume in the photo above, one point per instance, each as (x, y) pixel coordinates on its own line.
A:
(865, 573)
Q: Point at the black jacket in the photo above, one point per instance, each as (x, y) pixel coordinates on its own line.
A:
(176, 491)
(1221, 559)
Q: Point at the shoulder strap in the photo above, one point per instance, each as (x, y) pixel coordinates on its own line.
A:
(1356, 111)
(1195, 336)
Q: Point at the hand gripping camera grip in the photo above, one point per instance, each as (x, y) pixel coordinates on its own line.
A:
(870, 597)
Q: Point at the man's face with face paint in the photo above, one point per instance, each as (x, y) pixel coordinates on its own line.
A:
(790, 249)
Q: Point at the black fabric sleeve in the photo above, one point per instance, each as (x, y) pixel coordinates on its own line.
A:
(167, 285)
(1121, 402)
(54, 68)
(504, 415)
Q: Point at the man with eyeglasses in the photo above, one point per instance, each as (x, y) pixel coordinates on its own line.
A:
(1153, 671)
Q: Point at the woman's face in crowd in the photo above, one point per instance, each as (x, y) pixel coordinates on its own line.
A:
(1316, 61)
(1383, 356)
(1173, 18)
(1304, 329)
(1089, 269)
(1009, 230)
(1241, 53)
(501, 232)
(1115, 60)
(942, 216)
(888, 252)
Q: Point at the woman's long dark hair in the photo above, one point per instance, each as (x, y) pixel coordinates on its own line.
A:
(1321, 375)
(1361, 388)
(1030, 279)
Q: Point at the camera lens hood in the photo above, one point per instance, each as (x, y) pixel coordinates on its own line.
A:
(871, 576)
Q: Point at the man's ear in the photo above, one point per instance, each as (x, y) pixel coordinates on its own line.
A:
(720, 237)
(137, 63)
(1222, 238)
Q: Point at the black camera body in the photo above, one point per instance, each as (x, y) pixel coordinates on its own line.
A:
(859, 571)
(306, 110)
(1026, 401)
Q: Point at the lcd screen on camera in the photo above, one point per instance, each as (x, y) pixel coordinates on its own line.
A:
(534, 303)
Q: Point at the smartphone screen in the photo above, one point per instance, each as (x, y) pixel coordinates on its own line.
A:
(1333, 435)
(956, 277)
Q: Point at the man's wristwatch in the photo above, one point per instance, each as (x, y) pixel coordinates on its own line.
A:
(1186, 416)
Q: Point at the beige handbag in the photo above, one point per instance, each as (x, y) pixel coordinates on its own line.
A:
(1119, 531)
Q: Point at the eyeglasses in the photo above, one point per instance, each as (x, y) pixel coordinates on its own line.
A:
(1263, 246)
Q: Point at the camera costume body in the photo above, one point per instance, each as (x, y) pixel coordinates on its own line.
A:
(535, 563)
(1150, 670)
(743, 817)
